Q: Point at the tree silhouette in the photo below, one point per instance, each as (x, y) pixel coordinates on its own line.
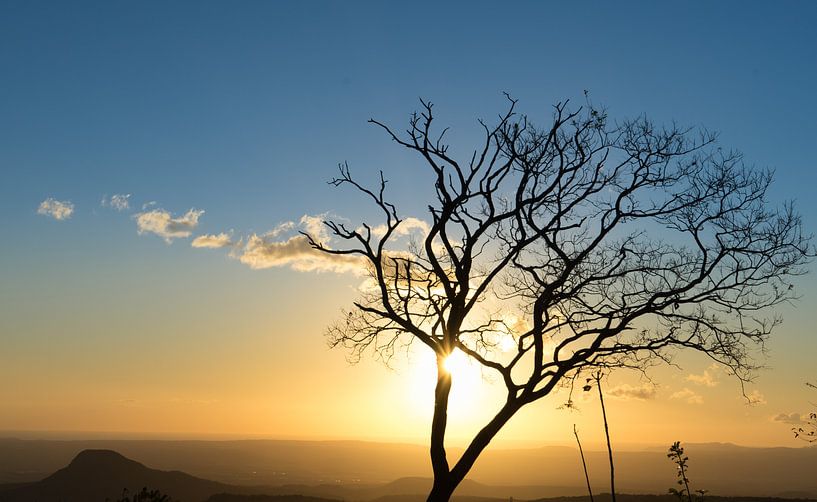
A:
(590, 244)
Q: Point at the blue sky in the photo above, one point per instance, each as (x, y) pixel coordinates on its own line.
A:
(214, 105)
(244, 109)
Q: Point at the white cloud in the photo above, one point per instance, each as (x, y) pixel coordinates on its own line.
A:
(212, 241)
(275, 249)
(57, 209)
(262, 252)
(690, 396)
(284, 227)
(625, 391)
(709, 378)
(163, 224)
(411, 224)
(407, 226)
(789, 418)
(120, 202)
(313, 225)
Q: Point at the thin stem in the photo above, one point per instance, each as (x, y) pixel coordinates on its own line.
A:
(607, 435)
(584, 464)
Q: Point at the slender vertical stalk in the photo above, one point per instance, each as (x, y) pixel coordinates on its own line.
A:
(686, 482)
(584, 464)
(681, 462)
(607, 435)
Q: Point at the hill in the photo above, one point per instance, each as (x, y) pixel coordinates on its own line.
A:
(97, 475)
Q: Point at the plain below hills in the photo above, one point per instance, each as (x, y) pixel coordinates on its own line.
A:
(353, 470)
(101, 475)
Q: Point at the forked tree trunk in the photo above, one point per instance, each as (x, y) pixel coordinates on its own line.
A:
(446, 480)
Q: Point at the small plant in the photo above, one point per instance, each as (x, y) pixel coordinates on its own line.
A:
(676, 454)
(144, 495)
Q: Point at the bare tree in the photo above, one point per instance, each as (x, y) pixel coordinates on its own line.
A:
(611, 243)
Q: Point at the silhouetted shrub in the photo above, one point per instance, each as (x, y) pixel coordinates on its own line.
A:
(144, 495)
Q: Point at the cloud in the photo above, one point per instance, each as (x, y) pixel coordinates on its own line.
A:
(789, 418)
(120, 202)
(690, 396)
(57, 209)
(411, 224)
(212, 241)
(407, 226)
(626, 392)
(709, 378)
(313, 225)
(163, 224)
(275, 249)
(284, 227)
(261, 252)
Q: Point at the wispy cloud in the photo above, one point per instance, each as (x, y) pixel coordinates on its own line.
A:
(709, 378)
(120, 202)
(789, 418)
(312, 225)
(624, 391)
(57, 209)
(283, 246)
(272, 250)
(162, 223)
(688, 395)
(282, 228)
(263, 251)
(408, 226)
(212, 241)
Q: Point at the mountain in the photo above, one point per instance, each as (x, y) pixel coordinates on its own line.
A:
(97, 475)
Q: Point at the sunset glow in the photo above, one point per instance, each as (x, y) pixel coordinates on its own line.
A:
(162, 164)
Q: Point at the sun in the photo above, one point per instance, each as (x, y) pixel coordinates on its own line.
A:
(467, 383)
(457, 363)
(466, 378)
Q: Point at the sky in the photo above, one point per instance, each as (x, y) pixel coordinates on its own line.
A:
(140, 143)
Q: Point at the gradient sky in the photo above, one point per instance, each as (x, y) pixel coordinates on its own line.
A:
(243, 110)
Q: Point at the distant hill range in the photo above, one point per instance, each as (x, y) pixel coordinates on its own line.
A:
(97, 475)
(102, 475)
(351, 470)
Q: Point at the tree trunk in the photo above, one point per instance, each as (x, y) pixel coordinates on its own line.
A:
(441, 491)
(446, 482)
